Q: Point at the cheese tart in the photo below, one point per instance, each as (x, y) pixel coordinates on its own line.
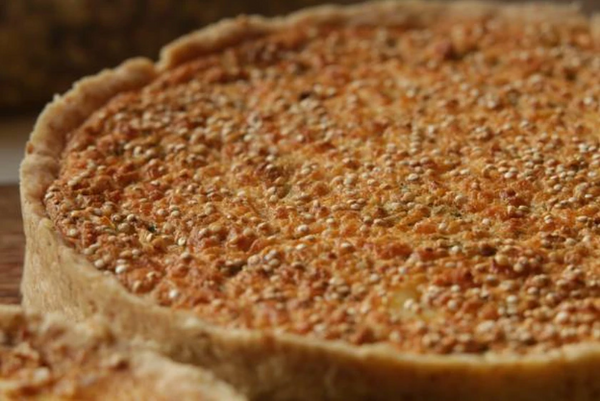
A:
(390, 201)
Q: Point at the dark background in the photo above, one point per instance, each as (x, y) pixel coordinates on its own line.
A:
(50, 43)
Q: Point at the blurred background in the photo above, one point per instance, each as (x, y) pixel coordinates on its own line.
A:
(45, 45)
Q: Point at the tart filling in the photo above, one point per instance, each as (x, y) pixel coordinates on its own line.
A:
(432, 187)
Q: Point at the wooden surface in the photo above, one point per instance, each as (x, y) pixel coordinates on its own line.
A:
(11, 244)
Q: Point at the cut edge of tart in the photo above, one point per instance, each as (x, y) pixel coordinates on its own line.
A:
(45, 358)
(265, 364)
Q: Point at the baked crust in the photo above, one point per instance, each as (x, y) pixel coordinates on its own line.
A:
(264, 365)
(45, 358)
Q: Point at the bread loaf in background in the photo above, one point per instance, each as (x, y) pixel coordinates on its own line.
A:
(47, 44)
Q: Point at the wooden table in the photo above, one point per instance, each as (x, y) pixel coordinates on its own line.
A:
(11, 244)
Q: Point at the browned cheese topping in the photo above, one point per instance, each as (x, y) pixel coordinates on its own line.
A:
(431, 187)
(43, 360)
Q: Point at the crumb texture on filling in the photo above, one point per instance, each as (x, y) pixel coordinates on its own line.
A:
(432, 187)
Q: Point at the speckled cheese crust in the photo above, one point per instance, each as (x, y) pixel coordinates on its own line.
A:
(393, 201)
(435, 187)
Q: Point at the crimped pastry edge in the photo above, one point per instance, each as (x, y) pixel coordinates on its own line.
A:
(264, 365)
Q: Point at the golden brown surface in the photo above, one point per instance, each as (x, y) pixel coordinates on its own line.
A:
(11, 244)
(431, 187)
